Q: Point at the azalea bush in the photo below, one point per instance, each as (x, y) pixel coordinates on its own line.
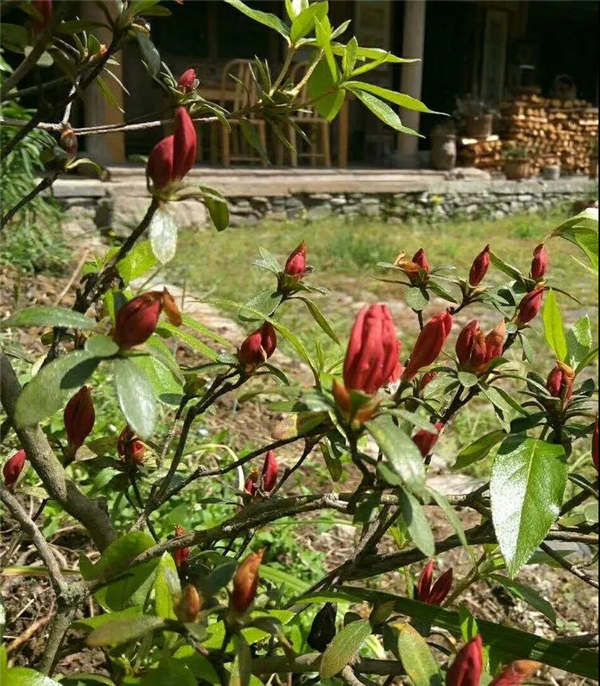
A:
(207, 605)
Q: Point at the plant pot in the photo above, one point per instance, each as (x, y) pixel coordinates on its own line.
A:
(480, 126)
(517, 168)
(551, 172)
(443, 151)
(593, 166)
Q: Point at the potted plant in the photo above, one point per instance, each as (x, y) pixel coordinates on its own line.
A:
(517, 163)
(443, 146)
(594, 160)
(476, 115)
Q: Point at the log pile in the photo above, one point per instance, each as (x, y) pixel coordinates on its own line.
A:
(554, 131)
(483, 154)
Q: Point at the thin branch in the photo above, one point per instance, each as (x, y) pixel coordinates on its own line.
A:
(570, 567)
(43, 185)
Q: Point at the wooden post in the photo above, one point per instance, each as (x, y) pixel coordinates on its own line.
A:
(110, 148)
(413, 41)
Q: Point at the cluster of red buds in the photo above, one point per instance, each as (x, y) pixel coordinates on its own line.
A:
(257, 348)
(560, 382)
(44, 9)
(265, 481)
(173, 157)
(539, 263)
(245, 583)
(79, 417)
(12, 469)
(182, 555)
(433, 595)
(131, 450)
(188, 81)
(137, 320)
(480, 267)
(416, 269)
(475, 350)
(426, 440)
(429, 344)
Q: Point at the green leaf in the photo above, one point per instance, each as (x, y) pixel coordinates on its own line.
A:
(478, 449)
(344, 647)
(527, 487)
(265, 18)
(199, 665)
(384, 112)
(109, 96)
(22, 676)
(417, 524)
(323, 34)
(120, 631)
(242, 666)
(400, 99)
(252, 136)
(163, 235)
(166, 587)
(528, 595)
(101, 346)
(417, 659)
(350, 56)
(417, 298)
(322, 88)
(264, 303)
(205, 331)
(45, 315)
(136, 397)
(98, 620)
(166, 386)
(587, 361)
(150, 54)
(582, 231)
(133, 584)
(192, 341)
(218, 209)
(52, 386)
(278, 576)
(467, 379)
(508, 269)
(304, 23)
(444, 504)
(169, 672)
(317, 315)
(399, 449)
(414, 419)
(554, 327)
(579, 341)
(140, 260)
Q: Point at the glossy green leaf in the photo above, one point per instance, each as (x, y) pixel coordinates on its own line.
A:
(344, 647)
(98, 620)
(478, 449)
(582, 230)
(265, 18)
(399, 449)
(417, 298)
(193, 342)
(108, 95)
(163, 235)
(22, 676)
(150, 54)
(416, 657)
(350, 56)
(169, 672)
(554, 329)
(46, 315)
(242, 665)
(304, 23)
(400, 99)
(166, 587)
(527, 594)
(384, 112)
(136, 397)
(120, 631)
(205, 331)
(264, 303)
(417, 524)
(527, 487)
(139, 261)
(101, 346)
(52, 386)
(322, 88)
(444, 504)
(199, 665)
(579, 341)
(319, 318)
(218, 210)
(166, 386)
(503, 266)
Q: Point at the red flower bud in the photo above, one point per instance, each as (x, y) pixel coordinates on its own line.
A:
(595, 444)
(251, 481)
(79, 417)
(137, 320)
(494, 341)
(468, 665)
(44, 8)
(420, 258)
(441, 588)
(397, 371)
(188, 81)
(429, 344)
(371, 356)
(245, 583)
(258, 347)
(182, 555)
(189, 605)
(480, 267)
(516, 673)
(129, 447)
(12, 468)
(427, 378)
(295, 265)
(173, 157)
(560, 382)
(530, 306)
(426, 440)
(409, 267)
(539, 264)
(270, 472)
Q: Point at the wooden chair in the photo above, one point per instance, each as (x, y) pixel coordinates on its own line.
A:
(244, 93)
(316, 128)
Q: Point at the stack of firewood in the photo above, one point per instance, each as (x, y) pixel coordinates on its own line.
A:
(553, 131)
(485, 154)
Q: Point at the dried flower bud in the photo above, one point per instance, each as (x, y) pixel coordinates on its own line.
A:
(188, 81)
(433, 596)
(173, 157)
(258, 347)
(137, 320)
(426, 440)
(560, 382)
(245, 583)
(130, 448)
(171, 310)
(467, 667)
(516, 673)
(182, 555)
(295, 265)
(371, 356)
(68, 140)
(189, 605)
(429, 344)
(480, 267)
(530, 306)
(12, 469)
(250, 483)
(79, 417)
(322, 629)
(539, 264)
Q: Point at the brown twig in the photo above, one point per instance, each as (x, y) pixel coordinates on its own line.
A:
(29, 631)
(570, 567)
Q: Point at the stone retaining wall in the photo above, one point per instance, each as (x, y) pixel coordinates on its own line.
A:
(119, 206)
